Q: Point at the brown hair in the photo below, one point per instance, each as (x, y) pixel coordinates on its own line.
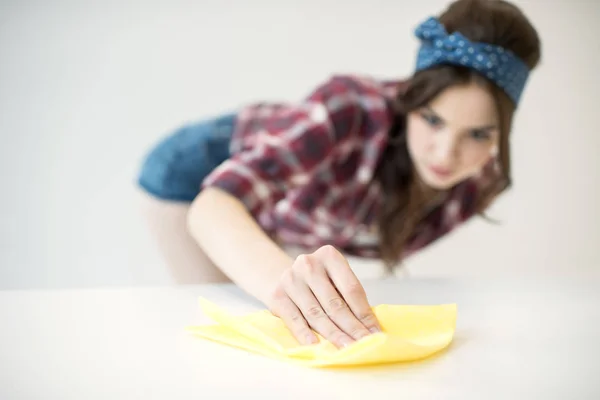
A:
(494, 22)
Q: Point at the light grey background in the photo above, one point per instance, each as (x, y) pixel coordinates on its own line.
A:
(86, 87)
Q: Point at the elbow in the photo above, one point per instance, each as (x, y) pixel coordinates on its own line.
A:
(210, 206)
(203, 216)
(195, 215)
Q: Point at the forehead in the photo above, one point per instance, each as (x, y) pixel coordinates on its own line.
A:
(465, 106)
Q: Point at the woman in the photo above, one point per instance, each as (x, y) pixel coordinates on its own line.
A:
(364, 167)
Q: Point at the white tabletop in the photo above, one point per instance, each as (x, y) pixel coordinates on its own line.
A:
(514, 340)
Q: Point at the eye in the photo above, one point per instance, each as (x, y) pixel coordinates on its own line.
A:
(432, 119)
(480, 136)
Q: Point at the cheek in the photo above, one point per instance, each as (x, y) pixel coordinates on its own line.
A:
(418, 137)
(476, 156)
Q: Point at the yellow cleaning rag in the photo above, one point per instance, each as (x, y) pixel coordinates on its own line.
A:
(409, 333)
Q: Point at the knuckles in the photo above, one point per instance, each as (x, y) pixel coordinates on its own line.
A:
(306, 263)
(336, 305)
(327, 252)
(287, 279)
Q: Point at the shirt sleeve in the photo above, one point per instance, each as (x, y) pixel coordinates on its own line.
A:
(277, 148)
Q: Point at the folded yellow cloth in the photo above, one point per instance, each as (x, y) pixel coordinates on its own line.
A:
(409, 333)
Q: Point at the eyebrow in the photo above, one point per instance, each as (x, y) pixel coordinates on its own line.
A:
(479, 128)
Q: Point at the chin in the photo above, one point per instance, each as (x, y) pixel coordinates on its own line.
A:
(438, 183)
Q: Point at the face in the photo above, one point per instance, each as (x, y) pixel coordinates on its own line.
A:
(454, 136)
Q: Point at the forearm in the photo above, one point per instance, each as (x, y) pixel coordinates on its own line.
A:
(236, 244)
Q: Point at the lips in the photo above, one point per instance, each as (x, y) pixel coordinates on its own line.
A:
(441, 172)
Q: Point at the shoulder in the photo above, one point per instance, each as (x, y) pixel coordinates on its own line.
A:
(359, 89)
(357, 105)
(337, 104)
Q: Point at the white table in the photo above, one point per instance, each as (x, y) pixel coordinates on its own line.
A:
(518, 340)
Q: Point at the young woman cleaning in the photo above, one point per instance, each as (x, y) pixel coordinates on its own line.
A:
(364, 167)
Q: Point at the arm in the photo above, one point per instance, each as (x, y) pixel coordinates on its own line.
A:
(275, 151)
(269, 153)
(216, 215)
(315, 293)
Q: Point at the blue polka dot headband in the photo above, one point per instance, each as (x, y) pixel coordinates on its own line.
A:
(499, 65)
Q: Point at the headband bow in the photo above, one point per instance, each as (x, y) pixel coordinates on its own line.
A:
(499, 65)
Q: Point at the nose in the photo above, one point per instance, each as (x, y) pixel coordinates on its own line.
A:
(445, 149)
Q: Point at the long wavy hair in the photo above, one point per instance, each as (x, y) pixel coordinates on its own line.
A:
(491, 21)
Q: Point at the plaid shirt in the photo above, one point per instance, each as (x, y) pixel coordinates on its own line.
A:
(305, 170)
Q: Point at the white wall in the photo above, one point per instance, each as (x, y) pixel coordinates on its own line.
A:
(86, 87)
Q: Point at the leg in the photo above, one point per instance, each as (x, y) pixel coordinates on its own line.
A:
(187, 263)
(170, 178)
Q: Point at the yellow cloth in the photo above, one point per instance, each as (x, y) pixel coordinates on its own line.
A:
(409, 333)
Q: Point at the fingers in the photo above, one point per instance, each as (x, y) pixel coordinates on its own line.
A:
(284, 308)
(349, 287)
(320, 292)
(331, 301)
(312, 309)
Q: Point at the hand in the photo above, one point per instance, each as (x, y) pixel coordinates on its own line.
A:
(320, 292)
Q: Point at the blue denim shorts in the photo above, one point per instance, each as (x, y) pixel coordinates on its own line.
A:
(175, 167)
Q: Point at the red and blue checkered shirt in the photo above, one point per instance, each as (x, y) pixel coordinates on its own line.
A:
(305, 170)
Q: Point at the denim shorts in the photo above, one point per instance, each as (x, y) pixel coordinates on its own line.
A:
(175, 167)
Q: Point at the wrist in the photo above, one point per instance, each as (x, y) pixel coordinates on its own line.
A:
(268, 282)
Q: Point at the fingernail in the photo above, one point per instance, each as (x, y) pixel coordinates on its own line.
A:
(345, 342)
(374, 329)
